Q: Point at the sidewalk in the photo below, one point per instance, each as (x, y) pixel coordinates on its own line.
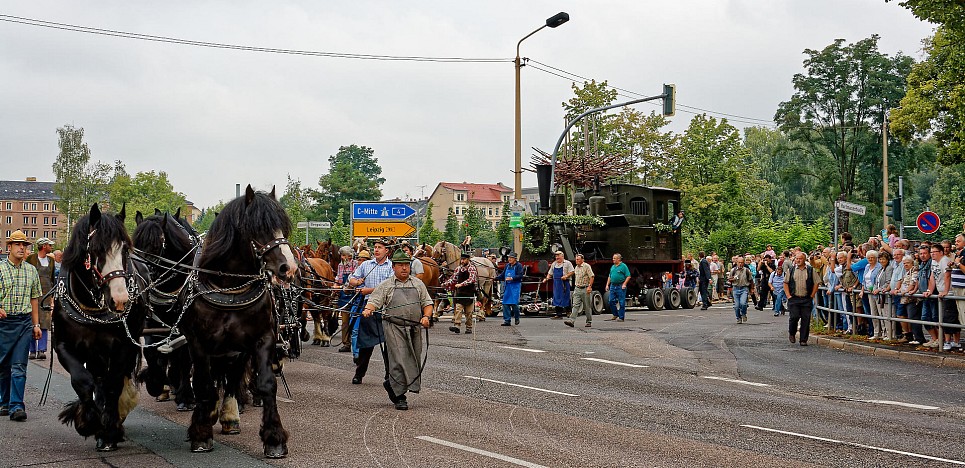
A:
(900, 352)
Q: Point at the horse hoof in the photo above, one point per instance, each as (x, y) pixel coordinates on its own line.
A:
(316, 342)
(202, 447)
(182, 407)
(257, 403)
(103, 446)
(280, 451)
(326, 344)
(164, 396)
(304, 336)
(231, 427)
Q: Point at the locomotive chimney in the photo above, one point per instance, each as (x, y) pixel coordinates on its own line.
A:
(543, 173)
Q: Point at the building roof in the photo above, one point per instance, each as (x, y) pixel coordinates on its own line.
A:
(27, 190)
(479, 192)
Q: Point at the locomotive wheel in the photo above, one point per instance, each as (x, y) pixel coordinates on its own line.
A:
(671, 298)
(598, 301)
(688, 298)
(655, 299)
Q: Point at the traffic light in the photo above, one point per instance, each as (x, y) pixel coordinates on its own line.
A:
(669, 98)
(894, 208)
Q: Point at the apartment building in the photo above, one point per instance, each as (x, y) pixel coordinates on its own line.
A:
(488, 197)
(30, 206)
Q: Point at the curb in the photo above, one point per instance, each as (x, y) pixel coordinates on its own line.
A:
(932, 359)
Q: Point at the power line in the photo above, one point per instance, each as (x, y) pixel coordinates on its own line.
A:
(631, 94)
(218, 45)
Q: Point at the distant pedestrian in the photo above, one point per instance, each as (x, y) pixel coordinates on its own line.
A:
(560, 272)
(19, 323)
(800, 286)
(741, 279)
(43, 261)
(616, 285)
(512, 276)
(583, 281)
(463, 284)
(704, 279)
(777, 285)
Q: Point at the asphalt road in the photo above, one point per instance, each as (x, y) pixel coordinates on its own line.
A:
(669, 388)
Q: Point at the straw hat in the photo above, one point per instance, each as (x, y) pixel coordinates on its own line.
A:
(18, 236)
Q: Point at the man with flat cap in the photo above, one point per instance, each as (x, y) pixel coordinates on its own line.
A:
(463, 283)
(19, 316)
(512, 275)
(406, 308)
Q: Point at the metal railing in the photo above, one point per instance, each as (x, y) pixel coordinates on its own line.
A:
(833, 313)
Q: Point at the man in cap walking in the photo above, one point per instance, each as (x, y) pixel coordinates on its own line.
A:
(19, 322)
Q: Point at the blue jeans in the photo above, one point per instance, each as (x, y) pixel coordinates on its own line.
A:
(929, 311)
(13, 371)
(618, 301)
(778, 301)
(841, 303)
(510, 311)
(740, 301)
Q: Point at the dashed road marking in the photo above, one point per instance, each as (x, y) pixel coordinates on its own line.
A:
(520, 386)
(524, 349)
(612, 362)
(482, 452)
(742, 382)
(855, 444)
(900, 403)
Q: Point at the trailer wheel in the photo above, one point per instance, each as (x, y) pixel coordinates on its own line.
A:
(654, 299)
(598, 301)
(688, 298)
(671, 298)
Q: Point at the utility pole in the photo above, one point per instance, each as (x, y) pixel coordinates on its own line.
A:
(884, 167)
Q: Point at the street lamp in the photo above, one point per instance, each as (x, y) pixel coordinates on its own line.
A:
(552, 21)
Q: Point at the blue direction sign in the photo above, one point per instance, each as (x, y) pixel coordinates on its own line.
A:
(382, 211)
(928, 222)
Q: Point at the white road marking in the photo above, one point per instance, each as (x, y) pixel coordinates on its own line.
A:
(611, 362)
(286, 400)
(744, 382)
(589, 352)
(855, 444)
(486, 453)
(524, 349)
(899, 403)
(520, 386)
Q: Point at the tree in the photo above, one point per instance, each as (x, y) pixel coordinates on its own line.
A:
(144, 192)
(451, 233)
(354, 175)
(339, 232)
(78, 183)
(428, 232)
(298, 204)
(207, 217)
(504, 233)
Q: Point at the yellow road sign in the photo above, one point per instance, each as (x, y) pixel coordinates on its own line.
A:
(381, 228)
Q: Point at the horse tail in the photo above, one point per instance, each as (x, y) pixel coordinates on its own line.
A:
(127, 400)
(83, 417)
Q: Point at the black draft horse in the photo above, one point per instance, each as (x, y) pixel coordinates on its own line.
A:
(168, 243)
(231, 319)
(98, 318)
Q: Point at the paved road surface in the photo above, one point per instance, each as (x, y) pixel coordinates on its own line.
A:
(670, 388)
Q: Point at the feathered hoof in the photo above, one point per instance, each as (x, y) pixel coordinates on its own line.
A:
(316, 342)
(231, 427)
(164, 396)
(202, 447)
(257, 402)
(104, 446)
(182, 407)
(276, 451)
(326, 343)
(304, 336)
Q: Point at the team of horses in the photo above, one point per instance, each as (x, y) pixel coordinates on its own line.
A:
(212, 318)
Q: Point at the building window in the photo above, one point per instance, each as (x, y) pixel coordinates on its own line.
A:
(53, 234)
(53, 207)
(9, 206)
(26, 219)
(9, 219)
(46, 220)
(46, 206)
(490, 211)
(33, 207)
(53, 220)
(33, 220)
(33, 233)
(26, 206)
(497, 211)
(8, 233)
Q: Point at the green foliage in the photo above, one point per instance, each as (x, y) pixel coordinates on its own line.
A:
(144, 192)
(451, 233)
(207, 217)
(728, 240)
(427, 232)
(947, 195)
(537, 228)
(298, 204)
(354, 175)
(504, 233)
(642, 138)
(78, 182)
(339, 232)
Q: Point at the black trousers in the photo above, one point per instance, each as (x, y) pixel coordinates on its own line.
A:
(702, 286)
(799, 310)
(362, 365)
(913, 309)
(765, 294)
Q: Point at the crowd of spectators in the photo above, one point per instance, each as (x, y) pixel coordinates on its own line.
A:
(879, 281)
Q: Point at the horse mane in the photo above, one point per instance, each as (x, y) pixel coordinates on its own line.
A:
(109, 229)
(149, 233)
(242, 220)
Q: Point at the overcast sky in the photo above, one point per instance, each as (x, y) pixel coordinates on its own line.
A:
(212, 118)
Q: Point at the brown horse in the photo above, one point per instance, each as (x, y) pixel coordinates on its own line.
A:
(318, 279)
(447, 254)
(327, 251)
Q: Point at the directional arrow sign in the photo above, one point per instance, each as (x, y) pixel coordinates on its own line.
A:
(383, 211)
(368, 229)
(928, 222)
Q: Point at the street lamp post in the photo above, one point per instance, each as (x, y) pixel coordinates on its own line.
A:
(552, 22)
